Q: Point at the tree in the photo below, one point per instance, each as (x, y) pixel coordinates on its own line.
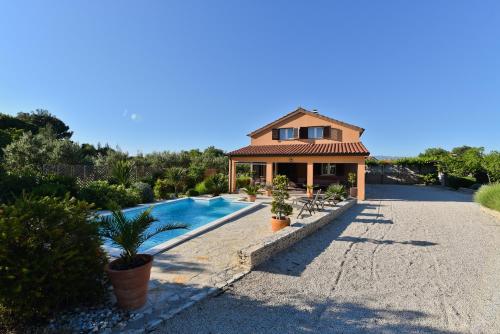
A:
(30, 152)
(491, 164)
(434, 153)
(40, 118)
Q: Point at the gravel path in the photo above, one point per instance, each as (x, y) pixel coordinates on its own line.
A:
(409, 260)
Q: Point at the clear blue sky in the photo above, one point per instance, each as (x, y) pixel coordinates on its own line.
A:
(171, 75)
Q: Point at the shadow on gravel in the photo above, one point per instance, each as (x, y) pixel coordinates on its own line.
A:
(231, 313)
(387, 242)
(293, 261)
(380, 192)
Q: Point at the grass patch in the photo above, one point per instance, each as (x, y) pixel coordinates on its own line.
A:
(489, 196)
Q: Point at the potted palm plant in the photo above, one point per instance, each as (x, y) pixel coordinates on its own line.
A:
(279, 207)
(251, 190)
(353, 190)
(269, 189)
(129, 274)
(336, 191)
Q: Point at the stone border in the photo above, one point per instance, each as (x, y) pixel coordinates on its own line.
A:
(253, 255)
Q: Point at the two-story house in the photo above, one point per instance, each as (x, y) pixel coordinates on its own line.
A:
(310, 148)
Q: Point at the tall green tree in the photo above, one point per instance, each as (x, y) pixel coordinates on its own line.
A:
(40, 118)
(29, 153)
(491, 164)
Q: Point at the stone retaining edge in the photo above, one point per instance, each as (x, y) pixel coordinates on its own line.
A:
(253, 255)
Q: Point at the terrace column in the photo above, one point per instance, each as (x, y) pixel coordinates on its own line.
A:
(269, 172)
(310, 173)
(232, 176)
(361, 181)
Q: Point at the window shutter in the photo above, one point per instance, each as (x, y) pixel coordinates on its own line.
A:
(303, 133)
(337, 134)
(276, 134)
(295, 133)
(326, 132)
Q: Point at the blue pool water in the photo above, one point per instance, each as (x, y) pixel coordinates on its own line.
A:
(194, 213)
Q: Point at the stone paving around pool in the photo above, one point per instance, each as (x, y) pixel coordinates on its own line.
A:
(200, 267)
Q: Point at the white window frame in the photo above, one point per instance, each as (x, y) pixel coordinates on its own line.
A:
(289, 131)
(315, 130)
(328, 169)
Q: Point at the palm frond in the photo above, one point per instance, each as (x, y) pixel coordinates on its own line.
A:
(164, 228)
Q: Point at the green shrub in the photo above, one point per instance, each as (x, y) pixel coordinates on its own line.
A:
(243, 181)
(489, 196)
(338, 191)
(456, 182)
(121, 172)
(12, 186)
(216, 184)
(201, 188)
(106, 196)
(429, 178)
(176, 177)
(144, 191)
(163, 189)
(50, 257)
(192, 192)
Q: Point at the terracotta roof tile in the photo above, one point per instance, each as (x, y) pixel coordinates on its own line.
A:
(356, 148)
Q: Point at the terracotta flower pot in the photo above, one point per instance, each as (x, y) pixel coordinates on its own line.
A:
(251, 198)
(131, 285)
(278, 224)
(269, 192)
(310, 194)
(353, 191)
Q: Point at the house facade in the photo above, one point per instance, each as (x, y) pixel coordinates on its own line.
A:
(310, 148)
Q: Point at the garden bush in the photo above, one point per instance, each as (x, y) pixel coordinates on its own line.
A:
(216, 184)
(13, 185)
(456, 182)
(429, 178)
(243, 181)
(489, 196)
(50, 258)
(192, 192)
(201, 188)
(163, 189)
(106, 196)
(144, 191)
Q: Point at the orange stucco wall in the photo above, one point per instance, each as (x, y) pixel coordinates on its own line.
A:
(303, 120)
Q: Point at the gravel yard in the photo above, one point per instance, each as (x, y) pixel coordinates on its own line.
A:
(409, 259)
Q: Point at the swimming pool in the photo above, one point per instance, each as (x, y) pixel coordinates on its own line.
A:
(200, 214)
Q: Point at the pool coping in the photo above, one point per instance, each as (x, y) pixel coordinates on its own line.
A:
(169, 244)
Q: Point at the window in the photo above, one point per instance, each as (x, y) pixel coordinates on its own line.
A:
(328, 169)
(315, 132)
(286, 134)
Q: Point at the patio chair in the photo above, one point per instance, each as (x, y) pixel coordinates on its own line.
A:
(307, 203)
(326, 200)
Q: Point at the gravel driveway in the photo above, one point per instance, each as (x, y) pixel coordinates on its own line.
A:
(408, 260)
